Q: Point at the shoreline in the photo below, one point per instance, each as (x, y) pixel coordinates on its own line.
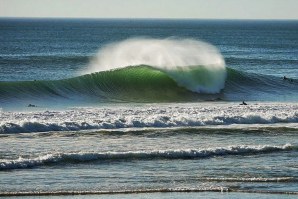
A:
(146, 191)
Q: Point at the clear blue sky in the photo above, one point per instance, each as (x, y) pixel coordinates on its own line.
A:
(202, 9)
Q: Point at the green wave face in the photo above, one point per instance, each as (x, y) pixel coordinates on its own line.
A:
(138, 84)
(147, 84)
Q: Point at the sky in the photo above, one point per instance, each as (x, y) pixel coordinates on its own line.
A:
(197, 9)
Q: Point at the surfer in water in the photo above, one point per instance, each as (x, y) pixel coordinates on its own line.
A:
(32, 105)
(243, 103)
(285, 78)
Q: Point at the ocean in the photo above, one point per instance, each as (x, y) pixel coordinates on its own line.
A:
(148, 108)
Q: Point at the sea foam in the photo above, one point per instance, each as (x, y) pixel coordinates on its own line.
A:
(140, 155)
(148, 116)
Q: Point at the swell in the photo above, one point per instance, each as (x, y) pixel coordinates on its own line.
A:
(147, 84)
(242, 85)
(262, 62)
(44, 58)
(80, 157)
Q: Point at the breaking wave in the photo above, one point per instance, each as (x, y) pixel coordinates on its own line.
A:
(153, 116)
(60, 158)
(152, 70)
(146, 84)
(193, 64)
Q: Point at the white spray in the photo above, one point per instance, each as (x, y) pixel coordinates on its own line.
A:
(193, 64)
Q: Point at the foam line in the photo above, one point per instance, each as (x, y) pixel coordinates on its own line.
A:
(153, 116)
(59, 158)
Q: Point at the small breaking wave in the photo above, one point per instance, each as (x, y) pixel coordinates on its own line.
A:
(253, 179)
(80, 157)
(145, 191)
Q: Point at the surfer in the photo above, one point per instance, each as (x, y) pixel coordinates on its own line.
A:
(243, 103)
(289, 79)
(31, 105)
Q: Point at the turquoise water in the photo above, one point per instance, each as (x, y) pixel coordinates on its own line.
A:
(148, 106)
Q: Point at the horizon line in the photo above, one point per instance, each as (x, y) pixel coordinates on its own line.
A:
(145, 18)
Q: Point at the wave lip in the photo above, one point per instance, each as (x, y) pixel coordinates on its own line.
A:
(140, 155)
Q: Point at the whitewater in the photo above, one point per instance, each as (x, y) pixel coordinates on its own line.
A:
(136, 116)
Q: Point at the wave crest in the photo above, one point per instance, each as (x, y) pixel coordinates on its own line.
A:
(193, 64)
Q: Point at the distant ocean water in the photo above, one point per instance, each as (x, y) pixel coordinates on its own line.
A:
(115, 106)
